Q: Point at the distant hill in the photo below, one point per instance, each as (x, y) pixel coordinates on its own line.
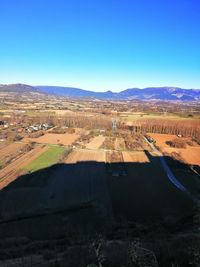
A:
(18, 88)
(150, 93)
(76, 92)
(161, 93)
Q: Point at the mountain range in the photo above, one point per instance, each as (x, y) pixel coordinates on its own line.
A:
(149, 93)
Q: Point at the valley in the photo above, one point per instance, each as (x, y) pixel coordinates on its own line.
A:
(106, 167)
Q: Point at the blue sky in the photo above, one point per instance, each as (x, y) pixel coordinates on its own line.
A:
(100, 44)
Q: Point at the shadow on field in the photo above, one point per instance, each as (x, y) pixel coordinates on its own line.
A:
(94, 197)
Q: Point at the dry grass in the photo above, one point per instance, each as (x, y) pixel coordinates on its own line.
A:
(96, 142)
(190, 154)
(55, 139)
(120, 144)
(86, 155)
(109, 143)
(114, 157)
(136, 156)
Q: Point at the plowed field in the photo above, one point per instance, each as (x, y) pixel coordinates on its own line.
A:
(11, 172)
(96, 142)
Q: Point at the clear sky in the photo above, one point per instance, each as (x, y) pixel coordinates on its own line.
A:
(100, 44)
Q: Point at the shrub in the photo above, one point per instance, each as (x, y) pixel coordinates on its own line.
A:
(36, 134)
(176, 143)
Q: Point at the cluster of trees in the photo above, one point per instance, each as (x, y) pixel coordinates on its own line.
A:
(186, 128)
(190, 128)
(81, 121)
(69, 120)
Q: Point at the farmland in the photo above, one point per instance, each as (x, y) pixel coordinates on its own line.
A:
(12, 171)
(139, 157)
(69, 169)
(86, 155)
(46, 159)
(100, 133)
(10, 152)
(190, 154)
(96, 142)
(55, 139)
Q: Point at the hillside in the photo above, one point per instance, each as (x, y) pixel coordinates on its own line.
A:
(76, 92)
(161, 93)
(18, 88)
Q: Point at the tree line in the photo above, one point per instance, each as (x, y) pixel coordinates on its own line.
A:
(186, 128)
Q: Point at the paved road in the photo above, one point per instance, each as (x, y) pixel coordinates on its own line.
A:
(169, 173)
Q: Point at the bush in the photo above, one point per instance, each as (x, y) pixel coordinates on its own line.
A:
(191, 143)
(63, 130)
(12, 137)
(36, 134)
(176, 143)
(58, 131)
(70, 130)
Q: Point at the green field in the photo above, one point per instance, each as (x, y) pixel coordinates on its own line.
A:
(48, 158)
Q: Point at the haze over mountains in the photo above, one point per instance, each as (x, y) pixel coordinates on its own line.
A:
(150, 93)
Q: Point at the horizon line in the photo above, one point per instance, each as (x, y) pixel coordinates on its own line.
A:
(113, 91)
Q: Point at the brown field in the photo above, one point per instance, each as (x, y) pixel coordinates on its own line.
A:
(136, 156)
(54, 139)
(2, 144)
(120, 144)
(81, 131)
(96, 142)
(11, 172)
(162, 138)
(86, 155)
(114, 157)
(190, 154)
(61, 112)
(11, 149)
